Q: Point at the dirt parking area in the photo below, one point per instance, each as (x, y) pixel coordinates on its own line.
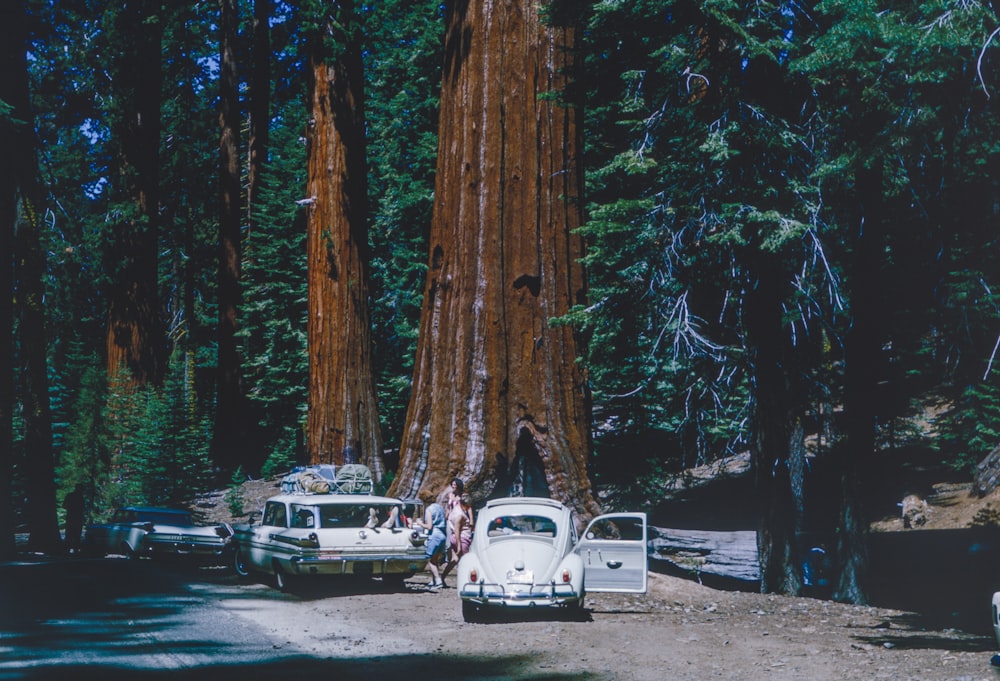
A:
(679, 630)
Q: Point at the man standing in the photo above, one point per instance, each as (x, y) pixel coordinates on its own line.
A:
(434, 522)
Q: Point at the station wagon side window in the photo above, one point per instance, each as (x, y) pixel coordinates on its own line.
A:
(275, 515)
(353, 515)
(303, 516)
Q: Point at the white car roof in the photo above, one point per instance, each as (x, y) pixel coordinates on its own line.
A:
(324, 499)
(522, 505)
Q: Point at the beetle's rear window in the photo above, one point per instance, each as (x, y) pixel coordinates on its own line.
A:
(531, 525)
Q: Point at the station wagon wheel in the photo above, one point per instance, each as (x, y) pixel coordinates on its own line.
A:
(281, 578)
(239, 563)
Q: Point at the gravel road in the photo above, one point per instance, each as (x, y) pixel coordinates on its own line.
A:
(137, 620)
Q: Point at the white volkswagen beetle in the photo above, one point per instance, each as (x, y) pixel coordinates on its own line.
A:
(525, 553)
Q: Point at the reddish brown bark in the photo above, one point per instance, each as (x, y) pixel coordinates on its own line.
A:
(342, 424)
(227, 445)
(136, 338)
(497, 391)
(260, 102)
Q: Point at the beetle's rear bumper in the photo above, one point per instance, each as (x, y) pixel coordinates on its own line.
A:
(521, 595)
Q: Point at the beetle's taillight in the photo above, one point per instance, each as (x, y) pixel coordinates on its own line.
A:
(473, 576)
(566, 576)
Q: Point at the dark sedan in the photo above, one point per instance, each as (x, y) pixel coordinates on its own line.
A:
(137, 531)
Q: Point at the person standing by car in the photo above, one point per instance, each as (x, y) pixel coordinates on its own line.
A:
(434, 522)
(459, 533)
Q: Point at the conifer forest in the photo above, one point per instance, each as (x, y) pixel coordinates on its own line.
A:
(552, 248)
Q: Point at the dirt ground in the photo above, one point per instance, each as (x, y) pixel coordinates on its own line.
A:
(679, 630)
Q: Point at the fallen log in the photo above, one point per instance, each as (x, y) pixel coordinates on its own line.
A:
(707, 554)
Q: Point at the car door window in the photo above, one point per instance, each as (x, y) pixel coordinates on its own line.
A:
(303, 516)
(275, 515)
(613, 549)
(607, 529)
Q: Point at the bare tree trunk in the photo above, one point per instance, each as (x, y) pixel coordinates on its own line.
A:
(774, 380)
(342, 425)
(29, 294)
(260, 101)
(498, 398)
(136, 338)
(29, 289)
(13, 81)
(227, 444)
(861, 356)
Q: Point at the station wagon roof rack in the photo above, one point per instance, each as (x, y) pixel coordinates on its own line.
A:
(328, 478)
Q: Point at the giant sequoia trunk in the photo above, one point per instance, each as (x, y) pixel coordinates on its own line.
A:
(227, 437)
(343, 418)
(136, 338)
(260, 102)
(498, 398)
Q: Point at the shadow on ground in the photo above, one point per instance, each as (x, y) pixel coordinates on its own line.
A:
(120, 619)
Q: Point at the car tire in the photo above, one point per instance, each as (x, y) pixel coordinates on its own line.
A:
(239, 564)
(472, 612)
(282, 580)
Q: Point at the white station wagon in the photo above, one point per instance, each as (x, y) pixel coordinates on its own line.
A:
(329, 534)
(525, 553)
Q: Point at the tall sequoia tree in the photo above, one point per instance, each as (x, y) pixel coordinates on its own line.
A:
(227, 443)
(342, 425)
(498, 398)
(260, 101)
(136, 338)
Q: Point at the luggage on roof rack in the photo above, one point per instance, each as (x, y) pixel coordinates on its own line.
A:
(327, 478)
(353, 478)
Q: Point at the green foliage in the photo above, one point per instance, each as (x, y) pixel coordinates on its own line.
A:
(234, 495)
(283, 458)
(723, 139)
(403, 79)
(168, 453)
(273, 329)
(971, 429)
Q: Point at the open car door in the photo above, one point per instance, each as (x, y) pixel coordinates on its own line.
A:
(613, 550)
